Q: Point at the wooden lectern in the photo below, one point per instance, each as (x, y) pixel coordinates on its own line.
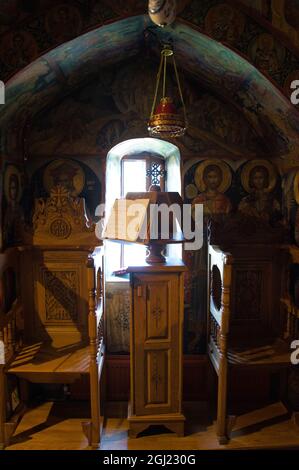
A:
(156, 336)
(156, 346)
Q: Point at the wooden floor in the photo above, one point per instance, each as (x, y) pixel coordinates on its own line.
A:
(56, 426)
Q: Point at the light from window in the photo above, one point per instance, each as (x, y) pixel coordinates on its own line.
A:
(134, 176)
(134, 180)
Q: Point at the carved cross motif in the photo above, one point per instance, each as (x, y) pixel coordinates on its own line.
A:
(157, 312)
(156, 377)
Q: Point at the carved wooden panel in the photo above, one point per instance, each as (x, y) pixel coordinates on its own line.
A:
(248, 301)
(60, 297)
(157, 310)
(157, 371)
(156, 326)
(61, 289)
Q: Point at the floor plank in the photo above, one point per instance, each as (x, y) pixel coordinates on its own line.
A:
(57, 426)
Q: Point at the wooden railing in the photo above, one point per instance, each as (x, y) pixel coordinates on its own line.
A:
(11, 312)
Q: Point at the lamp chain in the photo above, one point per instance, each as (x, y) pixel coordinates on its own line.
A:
(180, 90)
(164, 76)
(157, 87)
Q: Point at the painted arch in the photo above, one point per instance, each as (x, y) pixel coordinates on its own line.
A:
(215, 66)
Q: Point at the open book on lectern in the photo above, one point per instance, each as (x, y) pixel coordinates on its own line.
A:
(128, 221)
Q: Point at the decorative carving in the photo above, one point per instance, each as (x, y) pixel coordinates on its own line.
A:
(157, 312)
(99, 289)
(117, 317)
(101, 329)
(249, 299)
(214, 330)
(59, 228)
(61, 289)
(61, 215)
(156, 378)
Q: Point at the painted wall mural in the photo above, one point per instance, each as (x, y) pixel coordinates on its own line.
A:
(259, 180)
(84, 179)
(212, 179)
(118, 317)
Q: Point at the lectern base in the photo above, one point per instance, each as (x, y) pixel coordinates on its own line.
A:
(175, 422)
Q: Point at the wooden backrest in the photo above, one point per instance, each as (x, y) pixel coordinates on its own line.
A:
(55, 267)
(246, 263)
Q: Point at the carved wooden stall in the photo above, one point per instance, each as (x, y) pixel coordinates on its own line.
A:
(62, 293)
(245, 314)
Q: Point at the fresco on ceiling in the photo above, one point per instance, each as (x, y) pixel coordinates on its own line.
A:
(291, 11)
(47, 79)
(115, 108)
(285, 17)
(263, 7)
(244, 84)
(29, 92)
(215, 66)
(224, 23)
(252, 188)
(63, 22)
(10, 13)
(267, 54)
(228, 24)
(44, 25)
(18, 49)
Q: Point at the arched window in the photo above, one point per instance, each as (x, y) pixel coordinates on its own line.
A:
(133, 166)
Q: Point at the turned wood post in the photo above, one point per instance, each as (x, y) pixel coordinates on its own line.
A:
(93, 366)
(223, 364)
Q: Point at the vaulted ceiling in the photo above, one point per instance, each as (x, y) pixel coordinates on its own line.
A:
(229, 48)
